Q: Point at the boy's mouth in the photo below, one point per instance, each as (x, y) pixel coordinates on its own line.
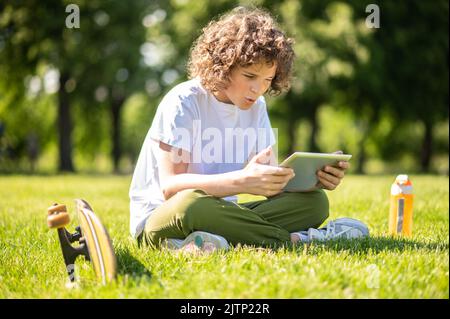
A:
(250, 100)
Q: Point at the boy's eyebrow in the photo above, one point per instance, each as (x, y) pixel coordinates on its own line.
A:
(251, 73)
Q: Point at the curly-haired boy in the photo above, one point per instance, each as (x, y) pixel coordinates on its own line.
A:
(211, 139)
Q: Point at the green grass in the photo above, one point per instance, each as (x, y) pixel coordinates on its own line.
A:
(31, 264)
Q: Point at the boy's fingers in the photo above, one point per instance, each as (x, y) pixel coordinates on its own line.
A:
(283, 171)
(326, 184)
(276, 170)
(264, 155)
(344, 165)
(323, 176)
(275, 178)
(334, 171)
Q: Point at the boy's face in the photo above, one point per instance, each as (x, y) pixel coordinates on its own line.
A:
(247, 84)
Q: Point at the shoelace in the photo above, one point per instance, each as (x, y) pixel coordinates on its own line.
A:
(331, 231)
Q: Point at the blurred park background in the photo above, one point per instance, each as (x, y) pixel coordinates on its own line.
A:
(82, 99)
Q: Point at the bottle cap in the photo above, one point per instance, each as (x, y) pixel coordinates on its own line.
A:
(402, 179)
(402, 185)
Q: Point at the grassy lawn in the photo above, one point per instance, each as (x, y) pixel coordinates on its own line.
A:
(31, 264)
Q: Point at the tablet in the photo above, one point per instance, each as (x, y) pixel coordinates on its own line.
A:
(305, 166)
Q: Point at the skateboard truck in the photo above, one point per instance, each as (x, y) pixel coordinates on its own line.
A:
(94, 242)
(70, 253)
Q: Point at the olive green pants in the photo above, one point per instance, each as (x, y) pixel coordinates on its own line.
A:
(267, 222)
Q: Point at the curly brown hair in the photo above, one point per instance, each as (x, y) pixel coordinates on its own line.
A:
(241, 37)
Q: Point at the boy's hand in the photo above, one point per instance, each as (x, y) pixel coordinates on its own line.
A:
(258, 178)
(330, 177)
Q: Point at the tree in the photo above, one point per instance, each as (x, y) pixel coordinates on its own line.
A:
(408, 69)
(321, 31)
(103, 51)
(415, 38)
(400, 68)
(111, 69)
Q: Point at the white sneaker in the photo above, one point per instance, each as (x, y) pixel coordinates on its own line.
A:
(198, 241)
(347, 228)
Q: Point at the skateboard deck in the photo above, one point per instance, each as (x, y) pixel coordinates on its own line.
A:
(94, 241)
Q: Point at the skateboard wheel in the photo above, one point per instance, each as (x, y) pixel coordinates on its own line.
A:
(56, 208)
(58, 220)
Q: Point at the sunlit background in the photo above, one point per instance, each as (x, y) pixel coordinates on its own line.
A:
(82, 99)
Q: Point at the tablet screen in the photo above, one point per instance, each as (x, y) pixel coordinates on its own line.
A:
(306, 165)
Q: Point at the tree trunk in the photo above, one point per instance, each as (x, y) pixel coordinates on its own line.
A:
(313, 147)
(292, 135)
(116, 108)
(64, 127)
(362, 154)
(292, 122)
(425, 156)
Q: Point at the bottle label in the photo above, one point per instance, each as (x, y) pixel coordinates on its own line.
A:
(400, 212)
(397, 189)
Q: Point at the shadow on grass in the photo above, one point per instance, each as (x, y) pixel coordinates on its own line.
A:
(360, 246)
(374, 245)
(127, 264)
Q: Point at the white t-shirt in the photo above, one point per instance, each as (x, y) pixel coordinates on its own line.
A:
(220, 138)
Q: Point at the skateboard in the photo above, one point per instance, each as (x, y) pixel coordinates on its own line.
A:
(93, 240)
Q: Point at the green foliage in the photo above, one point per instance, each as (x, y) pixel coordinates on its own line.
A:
(137, 118)
(27, 126)
(98, 64)
(388, 85)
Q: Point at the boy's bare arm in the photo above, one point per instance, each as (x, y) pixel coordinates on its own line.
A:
(173, 164)
(256, 178)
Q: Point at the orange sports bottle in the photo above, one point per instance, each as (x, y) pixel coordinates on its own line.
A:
(401, 211)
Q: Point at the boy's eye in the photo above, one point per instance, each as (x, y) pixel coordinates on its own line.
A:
(249, 76)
